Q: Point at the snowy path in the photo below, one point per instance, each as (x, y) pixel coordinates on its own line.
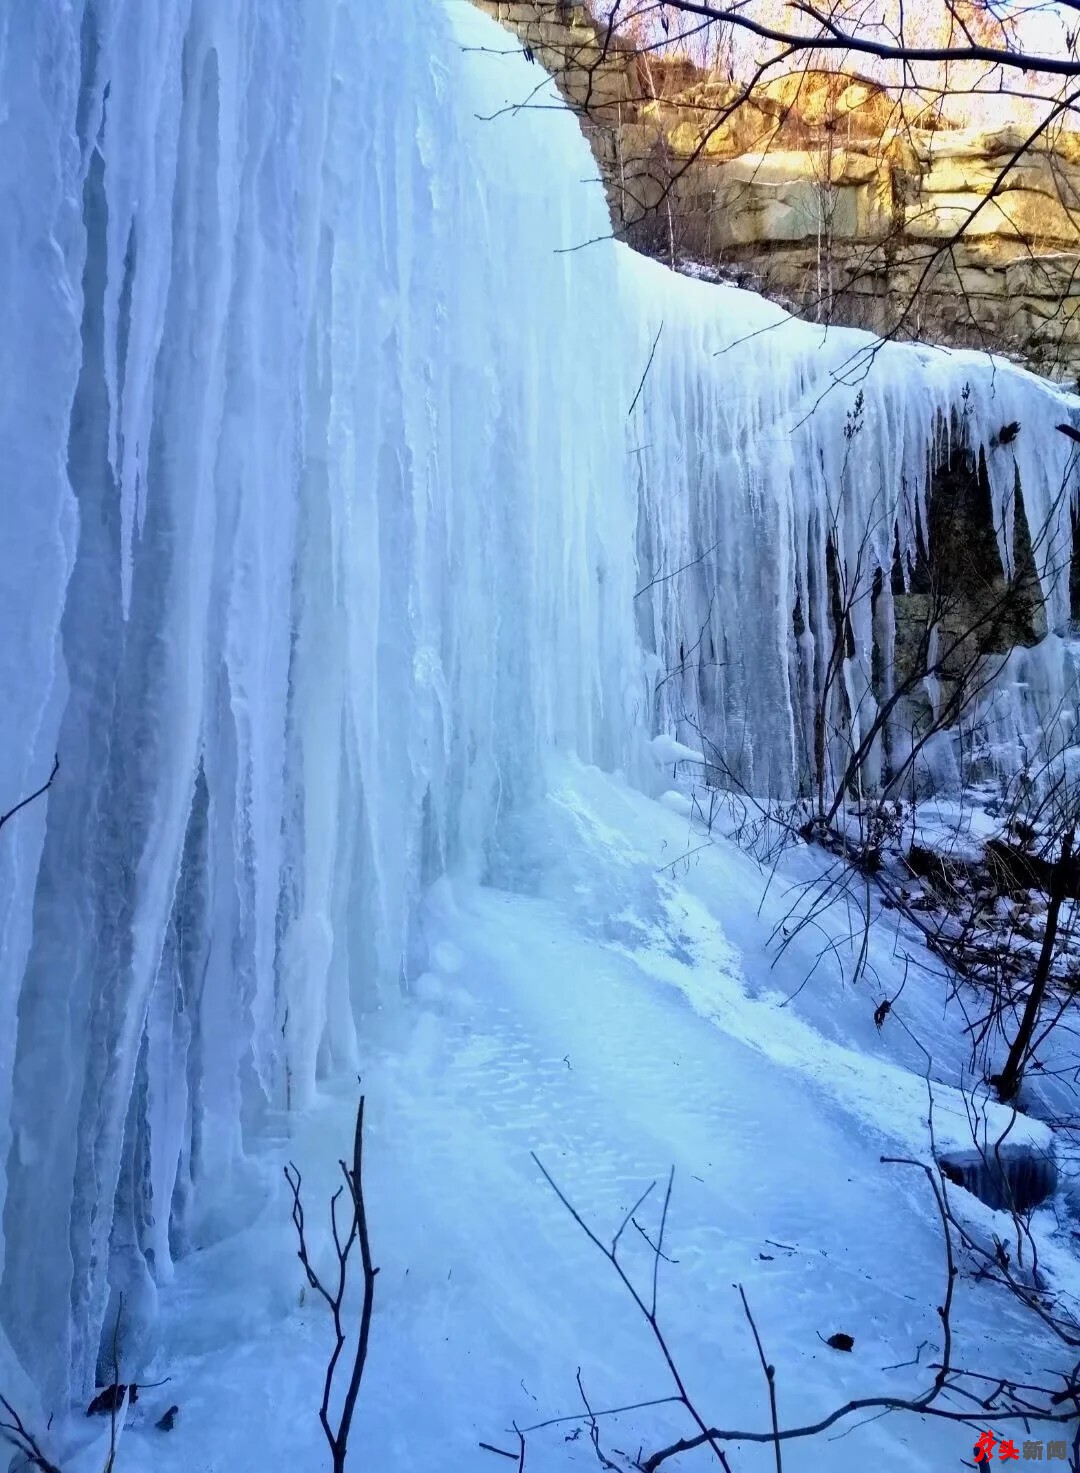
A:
(547, 1025)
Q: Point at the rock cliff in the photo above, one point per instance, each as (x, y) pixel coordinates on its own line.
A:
(821, 191)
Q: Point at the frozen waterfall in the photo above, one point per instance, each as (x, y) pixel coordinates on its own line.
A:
(760, 445)
(324, 515)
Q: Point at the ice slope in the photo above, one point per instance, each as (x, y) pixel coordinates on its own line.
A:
(326, 501)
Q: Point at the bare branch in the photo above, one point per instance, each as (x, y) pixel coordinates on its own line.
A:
(43, 789)
(338, 1438)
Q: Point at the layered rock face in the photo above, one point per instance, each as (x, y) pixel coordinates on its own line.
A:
(820, 191)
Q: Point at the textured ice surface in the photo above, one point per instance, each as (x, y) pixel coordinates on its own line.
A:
(323, 517)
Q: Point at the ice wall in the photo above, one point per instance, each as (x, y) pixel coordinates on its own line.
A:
(316, 538)
(324, 514)
(762, 439)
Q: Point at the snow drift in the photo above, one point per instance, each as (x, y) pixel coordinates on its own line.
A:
(329, 491)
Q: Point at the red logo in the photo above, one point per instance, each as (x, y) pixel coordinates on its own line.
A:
(1005, 1450)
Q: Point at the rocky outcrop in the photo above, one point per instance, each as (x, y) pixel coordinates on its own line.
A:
(814, 190)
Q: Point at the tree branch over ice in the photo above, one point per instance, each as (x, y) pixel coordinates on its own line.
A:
(25, 802)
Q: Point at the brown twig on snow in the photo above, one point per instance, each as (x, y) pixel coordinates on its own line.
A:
(770, 1377)
(648, 1309)
(594, 1431)
(357, 1233)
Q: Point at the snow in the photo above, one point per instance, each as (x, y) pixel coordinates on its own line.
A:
(340, 567)
(614, 1040)
(668, 751)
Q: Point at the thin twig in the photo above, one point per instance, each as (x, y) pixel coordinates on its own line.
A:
(770, 1377)
(645, 375)
(43, 789)
(337, 1438)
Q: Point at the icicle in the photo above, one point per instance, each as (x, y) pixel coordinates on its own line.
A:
(766, 442)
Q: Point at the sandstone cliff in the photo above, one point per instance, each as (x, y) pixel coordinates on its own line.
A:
(817, 189)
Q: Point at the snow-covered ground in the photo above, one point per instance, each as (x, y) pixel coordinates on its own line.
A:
(611, 1006)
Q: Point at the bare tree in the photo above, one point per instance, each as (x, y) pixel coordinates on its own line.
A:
(334, 1296)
